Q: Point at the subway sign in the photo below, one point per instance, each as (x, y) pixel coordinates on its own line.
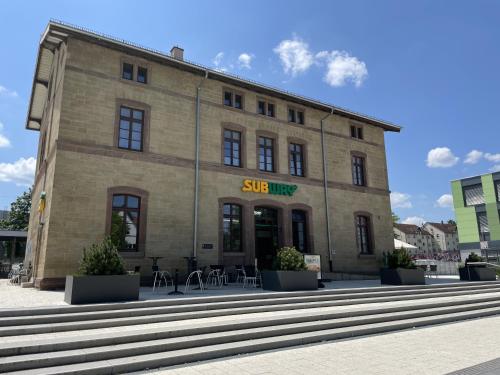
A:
(266, 187)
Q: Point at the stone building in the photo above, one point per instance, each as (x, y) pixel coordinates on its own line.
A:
(445, 235)
(177, 160)
(416, 236)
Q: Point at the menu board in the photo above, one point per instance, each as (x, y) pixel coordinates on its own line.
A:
(313, 263)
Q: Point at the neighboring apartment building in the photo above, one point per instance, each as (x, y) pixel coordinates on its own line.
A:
(445, 235)
(477, 204)
(176, 160)
(416, 236)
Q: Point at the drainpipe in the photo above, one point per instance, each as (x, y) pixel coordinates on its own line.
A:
(325, 188)
(197, 166)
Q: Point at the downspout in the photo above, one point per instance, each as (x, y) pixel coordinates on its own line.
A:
(197, 166)
(325, 188)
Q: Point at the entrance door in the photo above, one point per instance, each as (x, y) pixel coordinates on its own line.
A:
(266, 236)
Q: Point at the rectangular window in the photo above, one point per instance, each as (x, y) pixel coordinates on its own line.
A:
(296, 160)
(300, 117)
(356, 132)
(228, 98)
(261, 109)
(266, 154)
(270, 110)
(358, 170)
(232, 99)
(232, 148)
(231, 228)
(363, 235)
(128, 71)
(473, 195)
(497, 184)
(125, 221)
(142, 75)
(299, 230)
(295, 115)
(238, 101)
(131, 128)
(482, 223)
(265, 108)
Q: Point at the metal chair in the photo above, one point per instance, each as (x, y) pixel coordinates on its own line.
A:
(162, 276)
(239, 273)
(194, 275)
(250, 276)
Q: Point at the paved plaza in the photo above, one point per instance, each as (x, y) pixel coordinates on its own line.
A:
(12, 296)
(434, 350)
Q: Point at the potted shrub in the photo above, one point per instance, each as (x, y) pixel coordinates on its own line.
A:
(101, 277)
(476, 272)
(401, 270)
(290, 273)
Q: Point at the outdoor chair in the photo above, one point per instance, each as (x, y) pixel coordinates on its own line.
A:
(239, 273)
(213, 278)
(432, 270)
(194, 275)
(250, 276)
(164, 276)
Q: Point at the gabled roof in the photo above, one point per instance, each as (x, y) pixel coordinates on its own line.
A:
(444, 227)
(57, 31)
(411, 229)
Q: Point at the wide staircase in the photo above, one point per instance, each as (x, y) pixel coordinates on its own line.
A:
(135, 336)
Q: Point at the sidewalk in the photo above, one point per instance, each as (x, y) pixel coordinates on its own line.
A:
(434, 350)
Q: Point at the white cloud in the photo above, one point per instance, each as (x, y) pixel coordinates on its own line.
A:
(217, 60)
(400, 200)
(4, 91)
(294, 55)
(473, 157)
(445, 201)
(495, 168)
(20, 172)
(415, 220)
(441, 157)
(4, 141)
(492, 157)
(342, 68)
(245, 60)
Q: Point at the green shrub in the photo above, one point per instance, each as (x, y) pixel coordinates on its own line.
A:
(400, 258)
(473, 257)
(102, 259)
(289, 259)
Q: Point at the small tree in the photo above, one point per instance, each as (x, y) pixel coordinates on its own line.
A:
(19, 215)
(473, 258)
(102, 259)
(400, 258)
(289, 259)
(395, 218)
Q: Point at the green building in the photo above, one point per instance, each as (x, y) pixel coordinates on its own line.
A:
(477, 204)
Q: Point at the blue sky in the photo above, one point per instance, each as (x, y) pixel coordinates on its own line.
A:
(429, 66)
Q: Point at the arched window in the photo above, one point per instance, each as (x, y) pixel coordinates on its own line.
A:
(363, 234)
(125, 221)
(299, 230)
(232, 227)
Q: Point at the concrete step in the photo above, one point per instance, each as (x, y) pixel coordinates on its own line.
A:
(197, 312)
(77, 339)
(258, 298)
(117, 313)
(127, 358)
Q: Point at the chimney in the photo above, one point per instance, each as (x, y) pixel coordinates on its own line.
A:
(177, 53)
